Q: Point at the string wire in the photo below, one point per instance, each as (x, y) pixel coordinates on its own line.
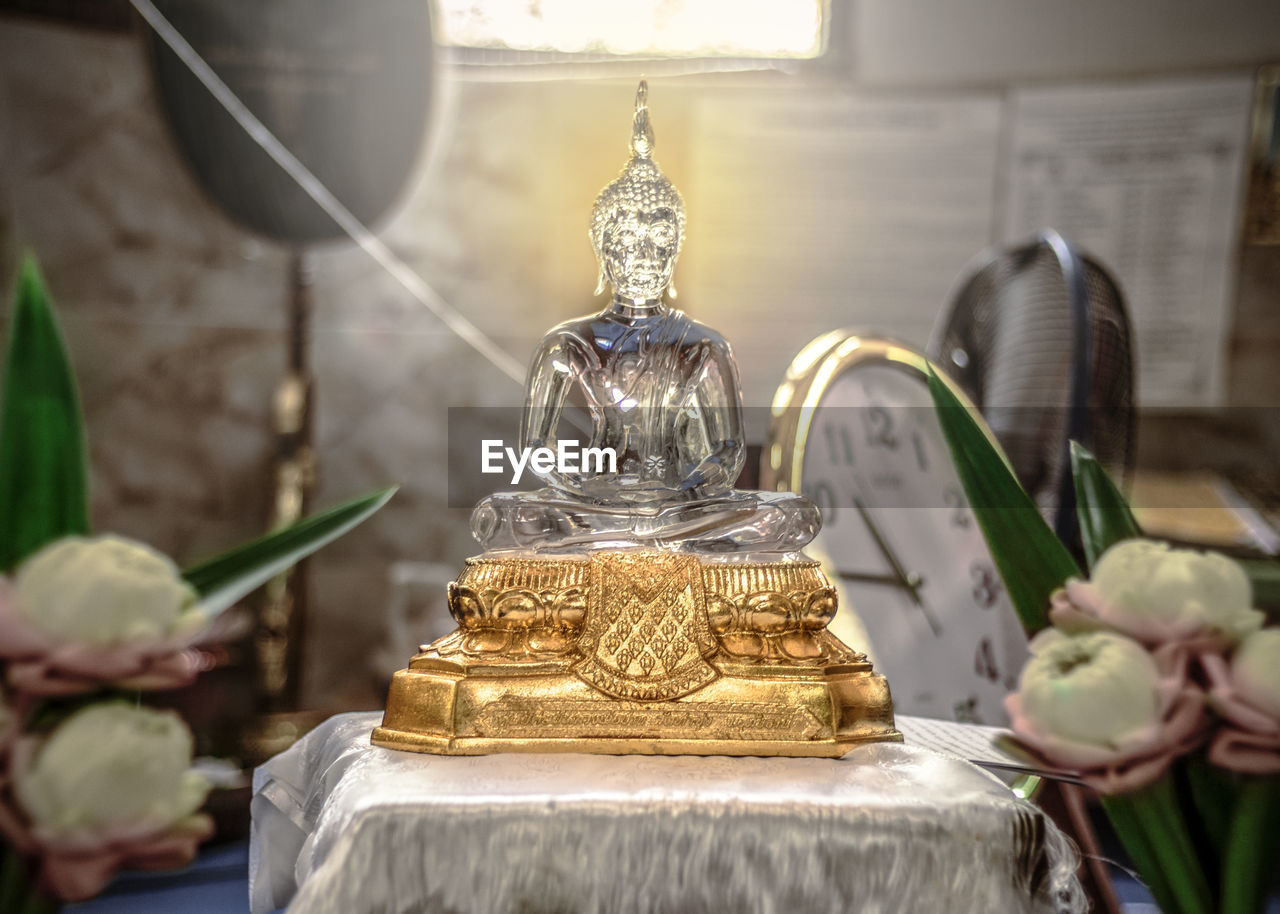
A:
(412, 282)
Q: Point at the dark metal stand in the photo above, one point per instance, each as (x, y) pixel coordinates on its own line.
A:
(281, 623)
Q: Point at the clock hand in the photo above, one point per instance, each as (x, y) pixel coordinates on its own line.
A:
(910, 581)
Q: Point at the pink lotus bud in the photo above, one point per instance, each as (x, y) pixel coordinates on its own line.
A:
(1098, 689)
(104, 590)
(109, 767)
(1255, 671)
(1159, 594)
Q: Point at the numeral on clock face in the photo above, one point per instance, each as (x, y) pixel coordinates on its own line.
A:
(966, 712)
(839, 444)
(984, 661)
(960, 516)
(922, 458)
(986, 584)
(821, 494)
(879, 425)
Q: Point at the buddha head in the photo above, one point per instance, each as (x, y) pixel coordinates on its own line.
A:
(637, 224)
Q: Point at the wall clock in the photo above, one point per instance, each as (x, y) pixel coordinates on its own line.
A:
(853, 428)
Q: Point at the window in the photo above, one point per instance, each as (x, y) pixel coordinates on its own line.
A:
(576, 30)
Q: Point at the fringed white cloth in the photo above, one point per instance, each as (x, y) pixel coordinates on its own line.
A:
(343, 827)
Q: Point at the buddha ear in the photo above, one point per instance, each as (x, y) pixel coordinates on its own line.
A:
(671, 289)
(600, 282)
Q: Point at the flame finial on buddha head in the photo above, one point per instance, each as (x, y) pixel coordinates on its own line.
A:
(637, 223)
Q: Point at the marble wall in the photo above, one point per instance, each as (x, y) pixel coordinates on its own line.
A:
(171, 313)
(175, 317)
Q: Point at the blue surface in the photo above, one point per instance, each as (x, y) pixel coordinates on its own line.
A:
(217, 883)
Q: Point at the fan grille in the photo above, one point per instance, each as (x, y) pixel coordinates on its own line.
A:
(1007, 338)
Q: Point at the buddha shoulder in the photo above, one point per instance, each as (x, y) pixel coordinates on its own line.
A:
(671, 328)
(700, 333)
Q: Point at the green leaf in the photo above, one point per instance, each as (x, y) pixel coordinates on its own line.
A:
(1104, 514)
(1212, 791)
(1264, 575)
(1253, 846)
(20, 890)
(14, 879)
(1150, 825)
(43, 483)
(1031, 560)
(48, 713)
(224, 579)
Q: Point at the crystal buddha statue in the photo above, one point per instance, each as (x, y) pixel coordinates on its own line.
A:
(648, 606)
(660, 389)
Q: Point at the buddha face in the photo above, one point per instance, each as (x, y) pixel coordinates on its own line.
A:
(638, 250)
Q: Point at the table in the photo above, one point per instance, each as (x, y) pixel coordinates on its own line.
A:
(342, 826)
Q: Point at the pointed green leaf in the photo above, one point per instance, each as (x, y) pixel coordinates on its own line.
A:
(1264, 575)
(1104, 514)
(43, 483)
(1150, 824)
(224, 579)
(1212, 793)
(13, 878)
(1031, 560)
(1252, 846)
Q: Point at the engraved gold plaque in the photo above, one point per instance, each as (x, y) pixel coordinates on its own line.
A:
(646, 632)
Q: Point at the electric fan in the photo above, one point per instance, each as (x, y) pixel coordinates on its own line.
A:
(1038, 337)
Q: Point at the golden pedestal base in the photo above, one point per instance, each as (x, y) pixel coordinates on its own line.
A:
(638, 653)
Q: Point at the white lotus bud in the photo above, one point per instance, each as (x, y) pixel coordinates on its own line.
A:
(1255, 671)
(104, 590)
(112, 766)
(1098, 688)
(1148, 586)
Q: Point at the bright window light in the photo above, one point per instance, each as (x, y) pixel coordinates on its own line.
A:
(646, 28)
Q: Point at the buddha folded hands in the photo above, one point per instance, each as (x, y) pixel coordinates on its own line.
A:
(661, 391)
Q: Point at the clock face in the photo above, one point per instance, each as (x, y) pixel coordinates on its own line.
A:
(910, 558)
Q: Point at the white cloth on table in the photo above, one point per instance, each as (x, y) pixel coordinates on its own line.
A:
(345, 827)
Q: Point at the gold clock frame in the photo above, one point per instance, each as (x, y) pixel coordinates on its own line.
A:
(809, 377)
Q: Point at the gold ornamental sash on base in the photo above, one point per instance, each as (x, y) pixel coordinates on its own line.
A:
(646, 635)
